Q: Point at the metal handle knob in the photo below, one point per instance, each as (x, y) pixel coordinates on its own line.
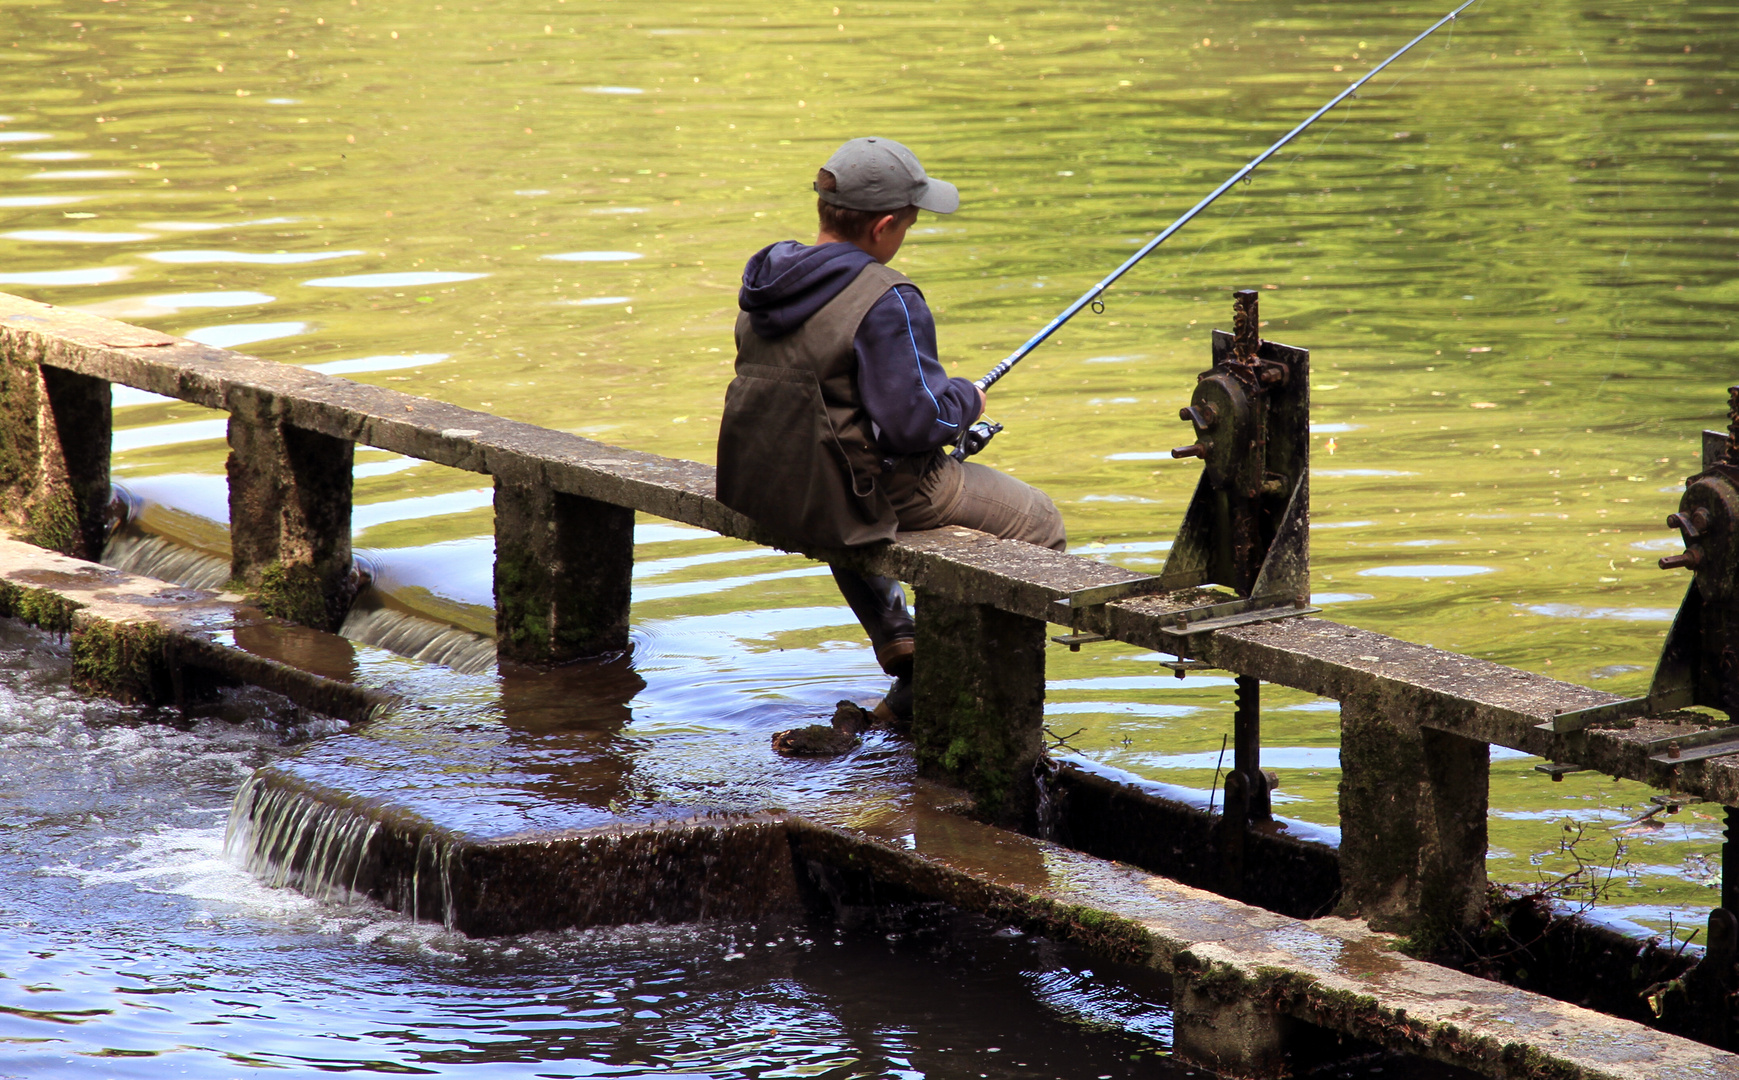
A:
(1689, 559)
(1193, 450)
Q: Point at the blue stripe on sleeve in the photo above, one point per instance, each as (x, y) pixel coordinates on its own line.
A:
(913, 338)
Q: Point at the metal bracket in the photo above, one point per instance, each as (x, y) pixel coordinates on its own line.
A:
(1628, 709)
(1181, 667)
(1075, 641)
(1069, 609)
(1204, 620)
(1100, 595)
(1557, 769)
(1695, 746)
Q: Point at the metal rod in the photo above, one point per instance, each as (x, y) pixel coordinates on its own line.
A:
(1002, 367)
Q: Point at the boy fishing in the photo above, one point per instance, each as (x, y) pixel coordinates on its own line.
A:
(834, 427)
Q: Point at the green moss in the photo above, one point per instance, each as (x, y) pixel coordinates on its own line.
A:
(293, 592)
(39, 607)
(974, 745)
(126, 661)
(52, 522)
(1107, 935)
(20, 400)
(522, 623)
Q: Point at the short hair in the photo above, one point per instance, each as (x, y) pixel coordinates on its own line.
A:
(851, 224)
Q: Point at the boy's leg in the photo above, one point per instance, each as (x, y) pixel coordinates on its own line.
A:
(978, 497)
(880, 605)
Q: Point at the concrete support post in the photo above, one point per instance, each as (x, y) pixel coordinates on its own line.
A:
(289, 513)
(1413, 805)
(563, 565)
(978, 684)
(1236, 1037)
(54, 456)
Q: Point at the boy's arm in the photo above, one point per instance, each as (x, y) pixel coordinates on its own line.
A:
(914, 404)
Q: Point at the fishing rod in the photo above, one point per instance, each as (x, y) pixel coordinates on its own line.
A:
(975, 438)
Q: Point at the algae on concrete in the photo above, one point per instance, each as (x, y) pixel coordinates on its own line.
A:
(293, 592)
(125, 661)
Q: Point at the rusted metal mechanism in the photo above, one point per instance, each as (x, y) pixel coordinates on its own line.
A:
(1248, 525)
(1699, 665)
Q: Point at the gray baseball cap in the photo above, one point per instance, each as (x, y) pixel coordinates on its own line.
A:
(880, 174)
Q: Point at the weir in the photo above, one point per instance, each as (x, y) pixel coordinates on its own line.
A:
(1267, 927)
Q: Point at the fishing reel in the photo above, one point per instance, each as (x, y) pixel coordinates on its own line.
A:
(974, 439)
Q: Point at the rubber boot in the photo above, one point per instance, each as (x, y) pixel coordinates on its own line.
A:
(880, 605)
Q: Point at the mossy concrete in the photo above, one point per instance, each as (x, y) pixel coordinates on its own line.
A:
(978, 703)
(289, 512)
(1413, 804)
(295, 592)
(563, 570)
(149, 642)
(127, 661)
(1474, 700)
(54, 455)
(1256, 979)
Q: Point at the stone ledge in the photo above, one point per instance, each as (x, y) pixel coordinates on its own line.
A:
(147, 641)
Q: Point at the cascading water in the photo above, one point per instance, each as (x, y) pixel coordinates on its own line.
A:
(373, 623)
(289, 840)
(1044, 771)
(138, 552)
(154, 539)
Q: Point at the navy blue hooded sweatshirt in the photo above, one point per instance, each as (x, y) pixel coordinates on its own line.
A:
(912, 402)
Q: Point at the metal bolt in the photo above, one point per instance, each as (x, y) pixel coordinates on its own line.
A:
(1192, 450)
(1673, 750)
(1301, 601)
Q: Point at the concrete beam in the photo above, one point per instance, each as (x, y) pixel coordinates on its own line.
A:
(968, 565)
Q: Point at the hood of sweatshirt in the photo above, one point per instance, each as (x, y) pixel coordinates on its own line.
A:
(785, 283)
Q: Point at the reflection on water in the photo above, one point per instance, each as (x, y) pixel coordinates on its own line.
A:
(1511, 261)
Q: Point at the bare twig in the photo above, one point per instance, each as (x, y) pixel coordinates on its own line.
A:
(1061, 742)
(1217, 763)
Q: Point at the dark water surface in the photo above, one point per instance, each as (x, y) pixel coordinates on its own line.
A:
(1511, 258)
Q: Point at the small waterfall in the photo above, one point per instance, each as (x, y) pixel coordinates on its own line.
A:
(160, 542)
(138, 552)
(289, 837)
(373, 623)
(1044, 771)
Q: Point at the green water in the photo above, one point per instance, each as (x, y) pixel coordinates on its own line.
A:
(1510, 259)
